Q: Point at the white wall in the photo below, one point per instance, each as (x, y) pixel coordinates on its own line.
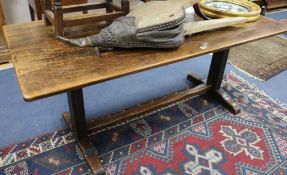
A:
(16, 11)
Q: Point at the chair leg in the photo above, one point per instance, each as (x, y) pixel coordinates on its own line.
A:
(32, 13)
(39, 16)
(58, 15)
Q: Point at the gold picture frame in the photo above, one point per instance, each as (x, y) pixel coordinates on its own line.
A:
(230, 8)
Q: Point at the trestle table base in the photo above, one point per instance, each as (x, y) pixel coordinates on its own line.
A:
(76, 119)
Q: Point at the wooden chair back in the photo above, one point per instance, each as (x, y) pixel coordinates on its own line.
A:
(54, 11)
(71, 2)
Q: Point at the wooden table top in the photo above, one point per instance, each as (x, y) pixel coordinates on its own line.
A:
(46, 66)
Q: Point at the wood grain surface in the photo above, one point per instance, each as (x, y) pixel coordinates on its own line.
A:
(46, 66)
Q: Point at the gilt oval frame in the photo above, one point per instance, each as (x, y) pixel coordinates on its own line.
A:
(212, 12)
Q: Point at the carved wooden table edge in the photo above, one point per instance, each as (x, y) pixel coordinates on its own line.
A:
(76, 119)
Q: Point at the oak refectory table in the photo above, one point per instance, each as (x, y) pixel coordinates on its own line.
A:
(46, 66)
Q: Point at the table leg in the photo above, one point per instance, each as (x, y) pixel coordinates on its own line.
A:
(215, 76)
(78, 122)
(77, 113)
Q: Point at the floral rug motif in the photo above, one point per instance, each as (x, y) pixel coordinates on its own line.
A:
(193, 136)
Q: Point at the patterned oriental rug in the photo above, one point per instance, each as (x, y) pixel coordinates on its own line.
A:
(193, 136)
(261, 59)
